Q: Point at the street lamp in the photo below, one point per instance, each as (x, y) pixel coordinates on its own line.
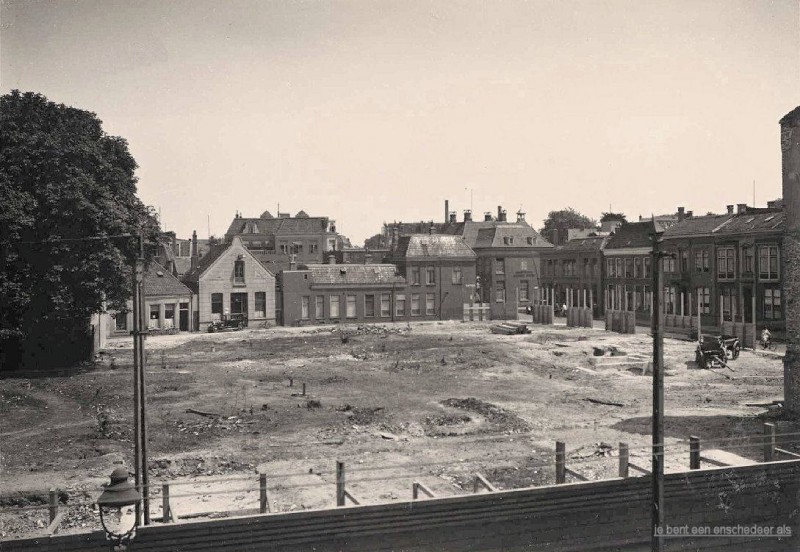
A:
(117, 495)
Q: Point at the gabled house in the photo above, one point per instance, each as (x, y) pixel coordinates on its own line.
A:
(230, 280)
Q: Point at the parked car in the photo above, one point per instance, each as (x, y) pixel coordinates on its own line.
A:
(716, 349)
(228, 323)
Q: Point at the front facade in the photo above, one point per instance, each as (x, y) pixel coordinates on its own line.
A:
(439, 271)
(333, 293)
(230, 281)
(576, 267)
(509, 266)
(628, 268)
(723, 265)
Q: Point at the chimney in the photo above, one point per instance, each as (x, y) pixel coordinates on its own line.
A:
(790, 164)
(393, 243)
(331, 259)
(293, 262)
(689, 214)
(730, 209)
(499, 212)
(446, 209)
(741, 208)
(681, 214)
(195, 257)
(520, 216)
(501, 215)
(452, 216)
(487, 216)
(467, 215)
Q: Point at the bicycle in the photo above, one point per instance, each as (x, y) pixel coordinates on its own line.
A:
(768, 344)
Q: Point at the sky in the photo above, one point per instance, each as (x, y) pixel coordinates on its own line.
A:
(376, 111)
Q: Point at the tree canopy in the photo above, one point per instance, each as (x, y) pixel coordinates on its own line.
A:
(567, 218)
(607, 217)
(65, 186)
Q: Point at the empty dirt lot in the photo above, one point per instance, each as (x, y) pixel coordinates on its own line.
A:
(431, 402)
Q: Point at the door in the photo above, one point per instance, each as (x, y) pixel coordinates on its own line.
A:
(747, 294)
(184, 317)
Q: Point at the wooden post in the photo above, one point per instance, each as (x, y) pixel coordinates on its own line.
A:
(262, 493)
(291, 382)
(753, 321)
(699, 320)
(340, 483)
(414, 491)
(682, 305)
(623, 460)
(769, 442)
(304, 390)
(167, 515)
(561, 458)
(721, 314)
(53, 505)
(694, 453)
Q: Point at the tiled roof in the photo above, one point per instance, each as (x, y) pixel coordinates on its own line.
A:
(590, 243)
(205, 261)
(433, 246)
(278, 226)
(633, 234)
(159, 281)
(275, 263)
(510, 235)
(723, 225)
(372, 274)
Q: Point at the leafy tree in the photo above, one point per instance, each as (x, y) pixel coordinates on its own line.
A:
(63, 183)
(564, 219)
(375, 242)
(607, 217)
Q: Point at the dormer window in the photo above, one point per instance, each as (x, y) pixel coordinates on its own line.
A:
(530, 241)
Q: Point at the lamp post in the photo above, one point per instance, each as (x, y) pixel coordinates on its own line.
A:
(117, 495)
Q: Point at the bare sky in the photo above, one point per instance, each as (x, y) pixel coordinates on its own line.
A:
(371, 111)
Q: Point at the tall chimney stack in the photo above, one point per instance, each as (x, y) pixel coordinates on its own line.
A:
(741, 208)
(195, 256)
(487, 216)
(790, 154)
(446, 209)
(730, 209)
(681, 214)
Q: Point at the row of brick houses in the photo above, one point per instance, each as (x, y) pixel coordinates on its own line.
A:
(721, 265)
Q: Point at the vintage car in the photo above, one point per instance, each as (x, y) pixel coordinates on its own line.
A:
(714, 350)
(228, 323)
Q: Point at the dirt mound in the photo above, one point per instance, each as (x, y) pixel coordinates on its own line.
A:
(500, 418)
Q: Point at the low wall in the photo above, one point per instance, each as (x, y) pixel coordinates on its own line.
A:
(621, 321)
(593, 516)
(542, 314)
(579, 317)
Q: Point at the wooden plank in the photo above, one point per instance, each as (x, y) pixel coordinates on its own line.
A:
(55, 525)
(575, 474)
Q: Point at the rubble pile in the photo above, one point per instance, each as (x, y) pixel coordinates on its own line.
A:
(167, 468)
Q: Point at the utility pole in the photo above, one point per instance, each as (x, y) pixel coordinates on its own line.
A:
(139, 399)
(657, 525)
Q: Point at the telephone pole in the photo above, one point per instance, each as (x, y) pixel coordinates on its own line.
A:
(657, 525)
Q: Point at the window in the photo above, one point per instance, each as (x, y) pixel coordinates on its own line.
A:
(458, 277)
(121, 321)
(499, 266)
(400, 305)
(524, 290)
(334, 306)
(415, 306)
(646, 267)
(238, 303)
(169, 316)
(729, 303)
(500, 293)
(530, 240)
(768, 262)
(726, 263)
(304, 305)
(430, 304)
(629, 268)
(415, 276)
(284, 248)
(748, 259)
(637, 267)
(669, 262)
(238, 272)
(319, 307)
(351, 306)
(685, 260)
(669, 299)
(155, 314)
(386, 304)
(216, 306)
(430, 275)
(772, 304)
(620, 269)
(704, 295)
(369, 305)
(313, 247)
(594, 267)
(260, 310)
(523, 265)
(701, 260)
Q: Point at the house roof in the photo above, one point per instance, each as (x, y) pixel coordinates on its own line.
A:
(432, 246)
(633, 234)
(371, 274)
(792, 117)
(269, 225)
(588, 243)
(762, 220)
(509, 235)
(159, 281)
